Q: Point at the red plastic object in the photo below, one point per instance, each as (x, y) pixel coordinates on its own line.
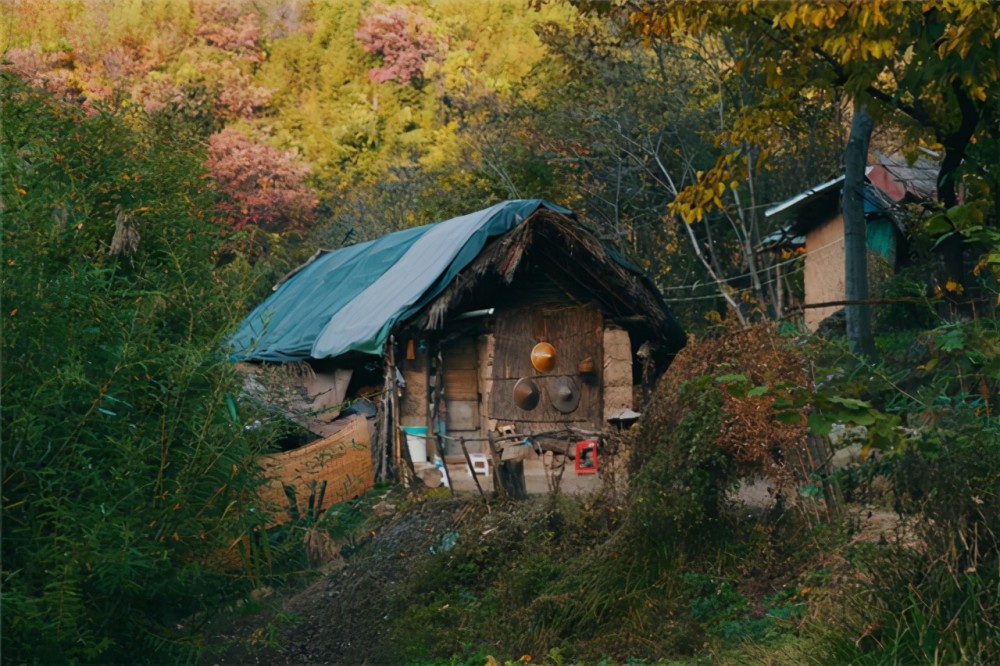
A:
(586, 457)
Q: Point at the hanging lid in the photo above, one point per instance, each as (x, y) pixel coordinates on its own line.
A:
(543, 357)
(564, 394)
(526, 394)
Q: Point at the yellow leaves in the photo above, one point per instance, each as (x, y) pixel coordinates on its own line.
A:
(953, 287)
(878, 18)
(835, 45)
(865, 50)
(786, 20)
(820, 16)
(956, 38)
(880, 49)
(21, 191)
(930, 365)
(694, 202)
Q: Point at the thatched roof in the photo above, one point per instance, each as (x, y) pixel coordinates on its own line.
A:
(571, 256)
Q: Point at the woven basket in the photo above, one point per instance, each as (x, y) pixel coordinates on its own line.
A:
(343, 460)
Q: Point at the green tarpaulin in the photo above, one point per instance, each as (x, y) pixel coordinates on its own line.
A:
(348, 300)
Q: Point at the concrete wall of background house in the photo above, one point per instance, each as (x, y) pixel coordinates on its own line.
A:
(824, 270)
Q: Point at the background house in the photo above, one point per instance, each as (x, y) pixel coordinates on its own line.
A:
(436, 326)
(813, 222)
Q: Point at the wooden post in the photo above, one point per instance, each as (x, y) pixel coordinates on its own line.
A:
(382, 438)
(495, 459)
(778, 291)
(405, 473)
(819, 451)
(512, 479)
(444, 463)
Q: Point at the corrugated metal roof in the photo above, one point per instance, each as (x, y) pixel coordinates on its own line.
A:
(789, 204)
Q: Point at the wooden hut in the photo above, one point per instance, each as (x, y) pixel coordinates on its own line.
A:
(510, 334)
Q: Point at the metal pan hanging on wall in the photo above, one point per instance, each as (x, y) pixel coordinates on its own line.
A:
(564, 394)
(543, 357)
(526, 394)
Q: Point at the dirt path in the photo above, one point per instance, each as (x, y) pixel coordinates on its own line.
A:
(341, 616)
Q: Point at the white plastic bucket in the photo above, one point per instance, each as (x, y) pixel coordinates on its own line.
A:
(416, 442)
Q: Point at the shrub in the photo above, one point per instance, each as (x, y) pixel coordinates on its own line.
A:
(753, 367)
(937, 601)
(124, 471)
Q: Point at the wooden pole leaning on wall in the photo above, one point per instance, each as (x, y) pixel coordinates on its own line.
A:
(472, 471)
(382, 436)
(406, 473)
(495, 459)
(444, 463)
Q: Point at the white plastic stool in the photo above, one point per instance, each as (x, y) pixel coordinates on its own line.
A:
(480, 463)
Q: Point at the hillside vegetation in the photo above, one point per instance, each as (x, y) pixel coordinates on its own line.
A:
(675, 568)
(164, 162)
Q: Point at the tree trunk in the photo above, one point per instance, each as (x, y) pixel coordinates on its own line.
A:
(511, 473)
(955, 143)
(859, 327)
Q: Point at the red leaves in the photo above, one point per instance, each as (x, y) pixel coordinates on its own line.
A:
(264, 186)
(403, 39)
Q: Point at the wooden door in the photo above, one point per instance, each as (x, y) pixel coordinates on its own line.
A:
(576, 333)
(461, 390)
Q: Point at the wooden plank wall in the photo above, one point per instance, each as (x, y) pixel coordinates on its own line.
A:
(413, 405)
(461, 391)
(485, 349)
(576, 333)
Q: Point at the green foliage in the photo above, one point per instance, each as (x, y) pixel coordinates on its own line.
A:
(936, 602)
(124, 472)
(679, 492)
(727, 614)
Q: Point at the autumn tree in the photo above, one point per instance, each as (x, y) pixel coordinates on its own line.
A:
(636, 125)
(401, 38)
(930, 68)
(264, 187)
(859, 332)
